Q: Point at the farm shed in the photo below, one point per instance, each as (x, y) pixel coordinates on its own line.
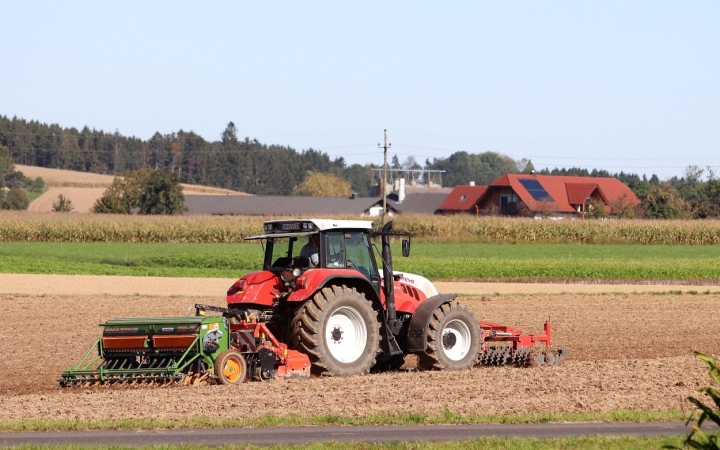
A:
(277, 205)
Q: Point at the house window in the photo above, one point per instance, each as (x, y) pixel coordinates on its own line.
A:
(508, 203)
(463, 197)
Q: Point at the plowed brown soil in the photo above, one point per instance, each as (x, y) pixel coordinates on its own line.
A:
(625, 351)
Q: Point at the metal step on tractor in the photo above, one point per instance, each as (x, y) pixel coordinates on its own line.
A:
(321, 305)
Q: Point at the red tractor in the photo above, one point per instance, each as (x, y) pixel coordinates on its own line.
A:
(322, 307)
(350, 316)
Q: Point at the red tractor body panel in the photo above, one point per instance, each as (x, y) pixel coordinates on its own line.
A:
(407, 297)
(260, 288)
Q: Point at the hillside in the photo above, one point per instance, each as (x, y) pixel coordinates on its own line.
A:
(83, 188)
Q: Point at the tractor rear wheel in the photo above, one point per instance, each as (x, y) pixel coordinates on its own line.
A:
(230, 367)
(453, 339)
(338, 330)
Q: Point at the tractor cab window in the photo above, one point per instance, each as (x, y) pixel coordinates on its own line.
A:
(335, 251)
(359, 254)
(350, 250)
(282, 251)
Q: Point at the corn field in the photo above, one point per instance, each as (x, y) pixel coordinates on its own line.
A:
(24, 226)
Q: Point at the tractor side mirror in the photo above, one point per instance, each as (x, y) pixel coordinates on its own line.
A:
(406, 247)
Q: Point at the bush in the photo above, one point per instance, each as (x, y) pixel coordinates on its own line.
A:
(38, 185)
(15, 198)
(62, 204)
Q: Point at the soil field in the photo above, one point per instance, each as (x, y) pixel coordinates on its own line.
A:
(626, 351)
(83, 198)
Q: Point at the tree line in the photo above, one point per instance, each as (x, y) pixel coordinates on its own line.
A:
(256, 168)
(229, 163)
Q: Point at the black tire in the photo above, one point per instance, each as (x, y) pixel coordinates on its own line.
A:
(230, 367)
(338, 330)
(453, 339)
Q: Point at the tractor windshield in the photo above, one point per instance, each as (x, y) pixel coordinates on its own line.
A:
(282, 251)
(296, 251)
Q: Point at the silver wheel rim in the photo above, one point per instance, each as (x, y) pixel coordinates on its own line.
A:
(346, 334)
(463, 339)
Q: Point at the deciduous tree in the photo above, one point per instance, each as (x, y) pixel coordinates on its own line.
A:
(318, 184)
(162, 194)
(151, 191)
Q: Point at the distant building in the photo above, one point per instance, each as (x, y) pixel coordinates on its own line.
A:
(522, 195)
(407, 200)
(463, 199)
(278, 205)
(563, 196)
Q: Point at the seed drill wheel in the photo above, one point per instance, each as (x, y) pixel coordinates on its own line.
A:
(338, 330)
(453, 339)
(230, 367)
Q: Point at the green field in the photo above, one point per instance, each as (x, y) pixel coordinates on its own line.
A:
(435, 261)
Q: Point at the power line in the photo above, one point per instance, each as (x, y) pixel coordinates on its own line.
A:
(567, 144)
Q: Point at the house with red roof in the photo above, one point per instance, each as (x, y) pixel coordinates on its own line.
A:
(529, 195)
(462, 199)
(543, 195)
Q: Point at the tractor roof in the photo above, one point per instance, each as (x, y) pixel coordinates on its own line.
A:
(303, 227)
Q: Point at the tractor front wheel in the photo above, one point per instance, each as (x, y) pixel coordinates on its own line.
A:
(338, 330)
(453, 339)
(230, 367)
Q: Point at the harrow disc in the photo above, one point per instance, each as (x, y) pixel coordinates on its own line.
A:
(539, 355)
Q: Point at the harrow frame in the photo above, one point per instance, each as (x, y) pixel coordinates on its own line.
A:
(504, 344)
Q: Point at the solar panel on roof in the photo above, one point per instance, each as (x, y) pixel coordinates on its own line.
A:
(535, 189)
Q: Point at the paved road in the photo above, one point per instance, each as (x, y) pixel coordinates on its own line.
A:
(299, 435)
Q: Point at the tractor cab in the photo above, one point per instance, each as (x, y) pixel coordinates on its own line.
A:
(295, 246)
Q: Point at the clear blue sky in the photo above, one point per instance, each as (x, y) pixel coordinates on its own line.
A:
(615, 85)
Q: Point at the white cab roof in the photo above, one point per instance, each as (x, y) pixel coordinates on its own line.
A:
(331, 224)
(297, 227)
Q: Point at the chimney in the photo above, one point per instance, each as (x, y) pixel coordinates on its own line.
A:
(472, 183)
(401, 190)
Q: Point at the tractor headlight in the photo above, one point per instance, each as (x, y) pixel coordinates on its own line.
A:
(288, 275)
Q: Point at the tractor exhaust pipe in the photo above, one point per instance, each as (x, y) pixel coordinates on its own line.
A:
(389, 289)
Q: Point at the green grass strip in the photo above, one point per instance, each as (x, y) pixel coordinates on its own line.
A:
(447, 417)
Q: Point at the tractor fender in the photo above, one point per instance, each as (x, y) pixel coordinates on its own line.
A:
(319, 278)
(417, 330)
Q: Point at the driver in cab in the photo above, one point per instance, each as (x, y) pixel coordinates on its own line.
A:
(310, 250)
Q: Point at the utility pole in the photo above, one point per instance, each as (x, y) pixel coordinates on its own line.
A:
(384, 186)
